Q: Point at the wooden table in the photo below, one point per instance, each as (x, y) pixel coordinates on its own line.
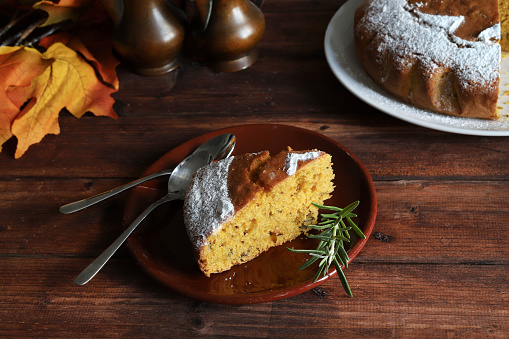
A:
(436, 265)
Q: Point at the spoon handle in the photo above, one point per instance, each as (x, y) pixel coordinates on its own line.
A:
(96, 265)
(84, 203)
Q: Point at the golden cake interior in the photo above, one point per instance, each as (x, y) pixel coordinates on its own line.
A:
(273, 217)
(503, 10)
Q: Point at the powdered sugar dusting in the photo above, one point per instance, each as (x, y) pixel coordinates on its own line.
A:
(293, 159)
(449, 23)
(407, 32)
(492, 33)
(207, 204)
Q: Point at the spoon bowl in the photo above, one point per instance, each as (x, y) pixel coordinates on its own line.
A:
(177, 186)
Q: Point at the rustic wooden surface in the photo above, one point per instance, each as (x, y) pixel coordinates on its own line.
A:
(436, 266)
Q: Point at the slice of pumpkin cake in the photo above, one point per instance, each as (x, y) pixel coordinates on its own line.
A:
(241, 206)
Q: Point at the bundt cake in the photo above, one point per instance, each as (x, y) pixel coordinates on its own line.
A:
(241, 206)
(440, 55)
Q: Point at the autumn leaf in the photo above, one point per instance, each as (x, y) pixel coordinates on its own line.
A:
(18, 66)
(69, 82)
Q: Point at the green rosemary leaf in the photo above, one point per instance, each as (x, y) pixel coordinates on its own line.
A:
(322, 262)
(326, 270)
(317, 275)
(356, 228)
(340, 237)
(318, 236)
(321, 246)
(349, 209)
(330, 208)
(319, 227)
(342, 277)
(308, 263)
(344, 256)
(326, 222)
(336, 254)
(347, 234)
(339, 259)
(304, 251)
(327, 238)
(329, 216)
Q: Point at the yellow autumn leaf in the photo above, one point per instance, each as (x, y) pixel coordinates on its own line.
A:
(69, 82)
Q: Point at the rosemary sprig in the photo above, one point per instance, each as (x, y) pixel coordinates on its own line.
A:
(334, 233)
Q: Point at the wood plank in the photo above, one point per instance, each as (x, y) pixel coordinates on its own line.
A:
(398, 151)
(422, 221)
(426, 300)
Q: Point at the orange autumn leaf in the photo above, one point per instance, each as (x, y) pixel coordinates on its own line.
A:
(18, 66)
(69, 82)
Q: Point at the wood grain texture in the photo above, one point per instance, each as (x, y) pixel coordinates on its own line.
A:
(436, 266)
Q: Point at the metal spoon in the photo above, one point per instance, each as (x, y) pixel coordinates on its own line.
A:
(177, 185)
(217, 146)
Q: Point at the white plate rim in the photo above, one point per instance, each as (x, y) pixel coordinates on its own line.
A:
(348, 70)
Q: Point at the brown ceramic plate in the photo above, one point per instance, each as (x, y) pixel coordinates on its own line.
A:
(161, 246)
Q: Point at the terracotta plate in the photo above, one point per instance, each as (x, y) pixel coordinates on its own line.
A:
(161, 246)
